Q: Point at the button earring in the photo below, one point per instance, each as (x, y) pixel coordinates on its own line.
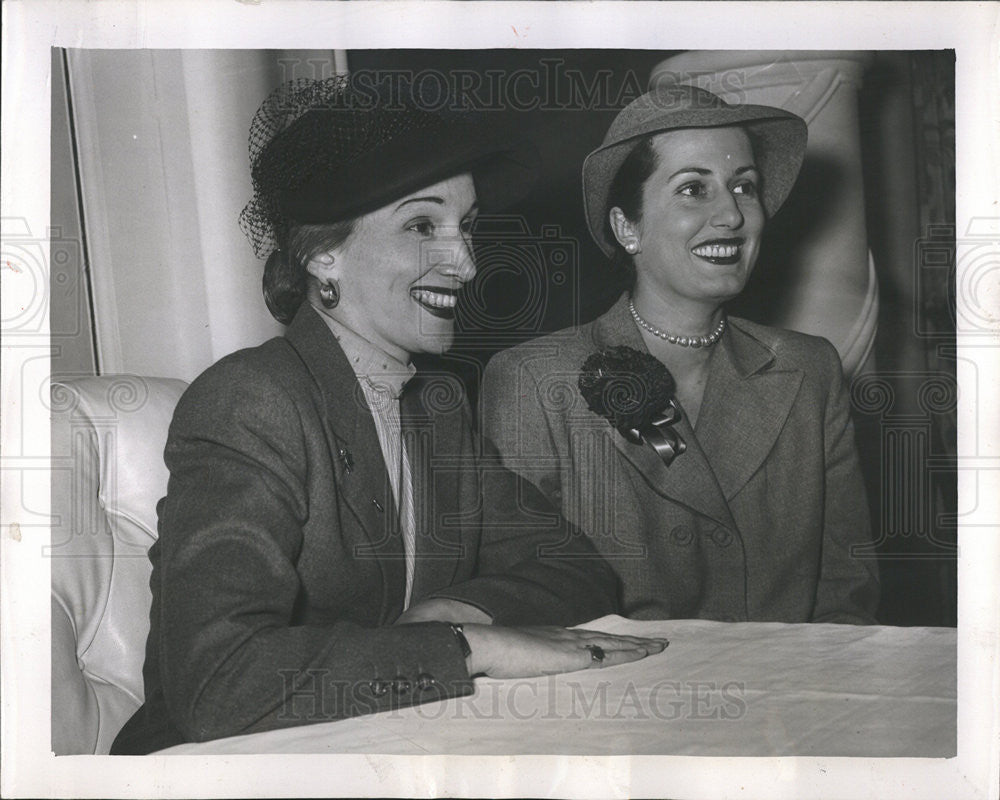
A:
(329, 294)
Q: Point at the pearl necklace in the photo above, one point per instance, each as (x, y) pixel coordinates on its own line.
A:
(683, 341)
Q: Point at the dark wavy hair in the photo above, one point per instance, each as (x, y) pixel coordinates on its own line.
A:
(625, 192)
(285, 276)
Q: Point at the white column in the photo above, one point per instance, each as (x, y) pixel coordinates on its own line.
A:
(827, 285)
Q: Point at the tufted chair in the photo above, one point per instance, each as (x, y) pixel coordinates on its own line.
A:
(108, 435)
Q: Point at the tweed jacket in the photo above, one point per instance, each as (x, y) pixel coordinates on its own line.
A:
(279, 567)
(755, 521)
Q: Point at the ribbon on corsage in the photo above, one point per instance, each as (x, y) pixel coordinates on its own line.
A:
(634, 392)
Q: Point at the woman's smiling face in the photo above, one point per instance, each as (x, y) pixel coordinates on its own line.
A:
(702, 218)
(399, 272)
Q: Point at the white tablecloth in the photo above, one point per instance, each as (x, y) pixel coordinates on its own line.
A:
(734, 689)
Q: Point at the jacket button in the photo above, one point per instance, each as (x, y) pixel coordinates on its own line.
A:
(425, 682)
(722, 537)
(401, 685)
(379, 687)
(682, 535)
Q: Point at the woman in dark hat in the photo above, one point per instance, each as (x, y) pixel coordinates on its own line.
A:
(727, 484)
(334, 541)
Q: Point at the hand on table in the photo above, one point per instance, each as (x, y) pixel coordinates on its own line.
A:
(531, 651)
(528, 652)
(439, 609)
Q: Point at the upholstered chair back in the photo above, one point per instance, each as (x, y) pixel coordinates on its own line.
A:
(108, 435)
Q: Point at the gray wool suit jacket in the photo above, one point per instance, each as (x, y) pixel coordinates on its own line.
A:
(755, 521)
(279, 568)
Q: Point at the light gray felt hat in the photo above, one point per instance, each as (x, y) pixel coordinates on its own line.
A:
(779, 140)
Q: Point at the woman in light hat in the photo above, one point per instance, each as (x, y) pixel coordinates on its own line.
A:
(315, 559)
(727, 484)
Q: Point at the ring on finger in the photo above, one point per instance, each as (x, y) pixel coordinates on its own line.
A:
(596, 653)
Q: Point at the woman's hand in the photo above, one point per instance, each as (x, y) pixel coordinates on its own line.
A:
(529, 652)
(441, 609)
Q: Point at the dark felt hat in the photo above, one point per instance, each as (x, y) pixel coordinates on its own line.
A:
(329, 150)
(779, 139)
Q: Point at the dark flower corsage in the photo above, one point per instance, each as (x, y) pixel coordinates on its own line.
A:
(634, 392)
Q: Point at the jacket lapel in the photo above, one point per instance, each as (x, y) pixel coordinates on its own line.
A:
(689, 480)
(745, 407)
(359, 468)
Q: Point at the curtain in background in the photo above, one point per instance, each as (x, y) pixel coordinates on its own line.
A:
(906, 408)
(161, 144)
(934, 111)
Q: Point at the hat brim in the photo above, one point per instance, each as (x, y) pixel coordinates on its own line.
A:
(779, 139)
(503, 173)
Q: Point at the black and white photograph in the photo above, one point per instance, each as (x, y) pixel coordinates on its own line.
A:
(488, 409)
